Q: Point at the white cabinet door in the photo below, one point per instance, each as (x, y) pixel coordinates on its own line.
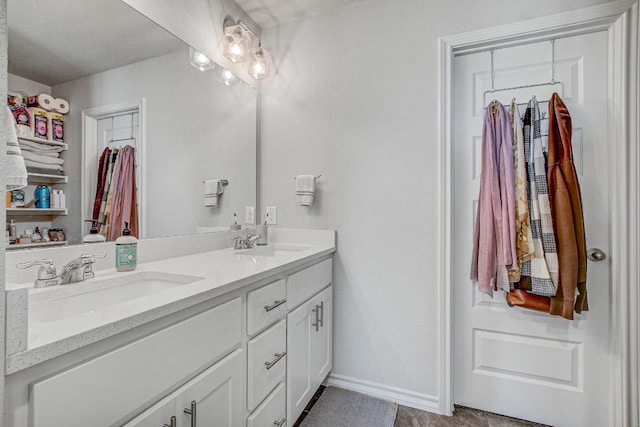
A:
(299, 336)
(156, 416)
(217, 393)
(321, 348)
(309, 350)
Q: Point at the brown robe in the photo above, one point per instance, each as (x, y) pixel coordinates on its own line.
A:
(566, 212)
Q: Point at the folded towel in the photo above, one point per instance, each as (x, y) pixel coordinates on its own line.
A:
(38, 147)
(40, 153)
(212, 189)
(16, 170)
(305, 189)
(28, 155)
(31, 164)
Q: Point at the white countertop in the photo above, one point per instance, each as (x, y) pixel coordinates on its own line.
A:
(219, 271)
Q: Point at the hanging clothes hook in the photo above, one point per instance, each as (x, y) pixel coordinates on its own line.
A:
(492, 73)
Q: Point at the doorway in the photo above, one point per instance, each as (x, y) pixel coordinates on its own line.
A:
(620, 21)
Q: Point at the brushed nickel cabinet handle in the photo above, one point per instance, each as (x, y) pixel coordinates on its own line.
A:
(279, 423)
(321, 313)
(276, 303)
(174, 422)
(192, 412)
(278, 356)
(317, 312)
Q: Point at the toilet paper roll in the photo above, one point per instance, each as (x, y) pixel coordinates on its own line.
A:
(40, 123)
(61, 106)
(44, 101)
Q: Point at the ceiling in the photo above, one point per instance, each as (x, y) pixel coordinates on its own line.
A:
(55, 41)
(269, 13)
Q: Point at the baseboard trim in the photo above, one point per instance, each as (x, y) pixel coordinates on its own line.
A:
(401, 396)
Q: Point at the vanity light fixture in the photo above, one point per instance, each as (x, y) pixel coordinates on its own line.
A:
(227, 77)
(199, 60)
(240, 44)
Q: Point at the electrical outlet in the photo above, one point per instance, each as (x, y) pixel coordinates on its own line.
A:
(271, 215)
(249, 215)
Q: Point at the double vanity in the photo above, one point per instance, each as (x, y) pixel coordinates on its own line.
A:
(201, 334)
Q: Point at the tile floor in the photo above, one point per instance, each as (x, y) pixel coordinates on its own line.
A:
(463, 417)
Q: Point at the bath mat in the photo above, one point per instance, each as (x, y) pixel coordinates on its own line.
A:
(339, 407)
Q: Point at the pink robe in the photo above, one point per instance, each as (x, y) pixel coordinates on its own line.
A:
(494, 249)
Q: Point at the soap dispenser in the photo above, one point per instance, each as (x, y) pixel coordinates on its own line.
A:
(126, 250)
(94, 235)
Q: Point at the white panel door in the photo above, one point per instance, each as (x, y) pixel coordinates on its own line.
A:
(513, 361)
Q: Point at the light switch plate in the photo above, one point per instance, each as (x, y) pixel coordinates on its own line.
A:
(249, 215)
(272, 215)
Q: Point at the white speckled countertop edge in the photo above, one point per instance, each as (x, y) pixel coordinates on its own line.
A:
(223, 272)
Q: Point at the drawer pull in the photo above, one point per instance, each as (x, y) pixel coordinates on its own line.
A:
(192, 412)
(280, 423)
(174, 422)
(276, 303)
(317, 312)
(278, 356)
(321, 313)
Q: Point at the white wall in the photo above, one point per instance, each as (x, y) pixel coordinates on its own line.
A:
(30, 87)
(196, 129)
(355, 98)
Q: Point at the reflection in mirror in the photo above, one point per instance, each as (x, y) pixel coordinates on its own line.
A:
(129, 83)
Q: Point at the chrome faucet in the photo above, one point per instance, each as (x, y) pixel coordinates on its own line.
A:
(247, 243)
(77, 270)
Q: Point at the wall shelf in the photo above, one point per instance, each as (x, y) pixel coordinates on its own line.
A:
(44, 178)
(44, 141)
(35, 212)
(34, 245)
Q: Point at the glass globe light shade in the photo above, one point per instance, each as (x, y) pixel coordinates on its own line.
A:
(236, 44)
(260, 68)
(199, 60)
(227, 77)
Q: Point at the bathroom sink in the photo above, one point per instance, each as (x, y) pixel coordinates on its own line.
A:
(82, 298)
(271, 250)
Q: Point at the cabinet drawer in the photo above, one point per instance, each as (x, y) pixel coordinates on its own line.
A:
(272, 411)
(105, 390)
(267, 362)
(266, 305)
(304, 284)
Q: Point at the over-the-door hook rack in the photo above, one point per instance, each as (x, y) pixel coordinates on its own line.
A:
(317, 177)
(553, 81)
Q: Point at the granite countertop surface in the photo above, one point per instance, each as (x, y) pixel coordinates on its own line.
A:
(212, 274)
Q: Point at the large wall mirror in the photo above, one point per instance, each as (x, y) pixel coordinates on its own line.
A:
(129, 82)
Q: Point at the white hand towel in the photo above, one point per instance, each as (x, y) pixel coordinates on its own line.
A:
(29, 155)
(305, 189)
(16, 170)
(212, 189)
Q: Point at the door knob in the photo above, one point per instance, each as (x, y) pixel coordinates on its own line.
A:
(596, 255)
